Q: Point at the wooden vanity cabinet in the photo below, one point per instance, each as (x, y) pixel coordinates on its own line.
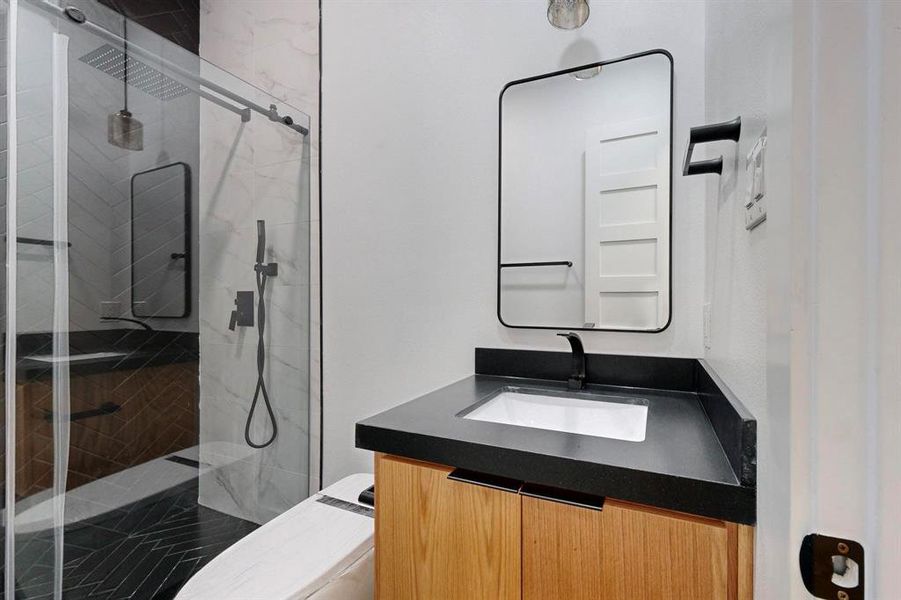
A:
(440, 539)
(155, 414)
(630, 551)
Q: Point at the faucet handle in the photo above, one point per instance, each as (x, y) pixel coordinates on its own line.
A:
(242, 315)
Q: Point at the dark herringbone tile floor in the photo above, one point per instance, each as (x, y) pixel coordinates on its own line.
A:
(145, 551)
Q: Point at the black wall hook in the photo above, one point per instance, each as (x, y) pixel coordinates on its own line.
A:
(727, 130)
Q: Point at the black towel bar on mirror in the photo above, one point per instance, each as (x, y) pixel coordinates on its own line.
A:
(550, 263)
(727, 130)
(38, 242)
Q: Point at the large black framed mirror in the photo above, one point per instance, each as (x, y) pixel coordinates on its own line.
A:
(585, 197)
(161, 242)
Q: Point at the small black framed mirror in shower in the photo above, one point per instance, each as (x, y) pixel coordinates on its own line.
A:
(161, 242)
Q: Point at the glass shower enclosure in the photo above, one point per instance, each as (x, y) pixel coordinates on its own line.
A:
(156, 303)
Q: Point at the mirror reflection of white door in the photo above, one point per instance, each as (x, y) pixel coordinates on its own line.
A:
(627, 228)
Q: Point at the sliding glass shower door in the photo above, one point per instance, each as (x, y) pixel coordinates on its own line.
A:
(157, 337)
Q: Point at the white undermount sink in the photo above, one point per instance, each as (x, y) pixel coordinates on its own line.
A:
(607, 416)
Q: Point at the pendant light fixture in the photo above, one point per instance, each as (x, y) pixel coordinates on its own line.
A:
(567, 14)
(123, 130)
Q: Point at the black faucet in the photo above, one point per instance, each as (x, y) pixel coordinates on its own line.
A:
(576, 380)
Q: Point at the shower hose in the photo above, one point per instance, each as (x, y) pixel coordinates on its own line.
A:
(261, 364)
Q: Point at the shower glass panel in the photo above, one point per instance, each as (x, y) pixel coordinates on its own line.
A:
(4, 175)
(138, 445)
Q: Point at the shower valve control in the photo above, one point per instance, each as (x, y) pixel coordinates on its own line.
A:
(242, 316)
(267, 269)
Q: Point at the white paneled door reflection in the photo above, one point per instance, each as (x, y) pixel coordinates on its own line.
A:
(626, 229)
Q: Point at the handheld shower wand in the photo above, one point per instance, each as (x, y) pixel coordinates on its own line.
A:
(263, 272)
(261, 241)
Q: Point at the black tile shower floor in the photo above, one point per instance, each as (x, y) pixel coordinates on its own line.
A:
(145, 551)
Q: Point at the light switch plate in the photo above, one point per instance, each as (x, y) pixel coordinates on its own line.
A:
(755, 214)
(755, 205)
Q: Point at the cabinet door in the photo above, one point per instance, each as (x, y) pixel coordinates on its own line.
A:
(627, 551)
(440, 539)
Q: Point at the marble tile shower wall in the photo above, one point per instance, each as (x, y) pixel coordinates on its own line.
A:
(256, 171)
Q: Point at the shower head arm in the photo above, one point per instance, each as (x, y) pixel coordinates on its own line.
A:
(125, 66)
(121, 11)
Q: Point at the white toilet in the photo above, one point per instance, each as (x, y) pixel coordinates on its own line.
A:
(319, 550)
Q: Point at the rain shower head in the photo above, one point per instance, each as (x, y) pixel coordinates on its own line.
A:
(115, 63)
(123, 129)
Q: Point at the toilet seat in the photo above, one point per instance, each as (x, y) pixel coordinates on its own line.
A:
(312, 550)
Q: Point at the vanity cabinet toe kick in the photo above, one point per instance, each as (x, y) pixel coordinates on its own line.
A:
(447, 534)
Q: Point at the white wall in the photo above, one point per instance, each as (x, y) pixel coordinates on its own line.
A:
(749, 73)
(409, 156)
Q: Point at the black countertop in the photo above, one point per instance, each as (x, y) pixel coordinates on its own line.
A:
(123, 349)
(683, 464)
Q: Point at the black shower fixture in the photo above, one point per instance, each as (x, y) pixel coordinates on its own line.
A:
(263, 272)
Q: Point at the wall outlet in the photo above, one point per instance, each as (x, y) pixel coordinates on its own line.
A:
(110, 308)
(706, 319)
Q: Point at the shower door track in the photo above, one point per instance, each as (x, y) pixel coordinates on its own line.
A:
(190, 80)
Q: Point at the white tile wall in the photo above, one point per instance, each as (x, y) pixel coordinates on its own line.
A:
(249, 172)
(99, 176)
